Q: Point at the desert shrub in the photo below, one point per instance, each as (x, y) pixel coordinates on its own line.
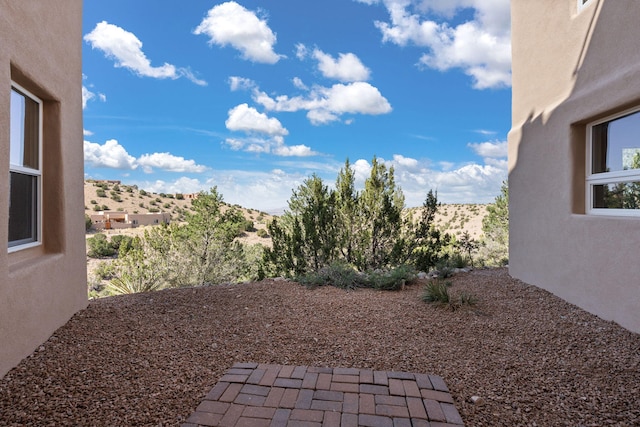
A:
(87, 222)
(262, 233)
(100, 192)
(130, 284)
(143, 193)
(179, 196)
(437, 291)
(248, 226)
(100, 247)
(105, 270)
(495, 248)
(93, 202)
(166, 205)
(154, 210)
(391, 280)
(104, 208)
(97, 208)
(338, 274)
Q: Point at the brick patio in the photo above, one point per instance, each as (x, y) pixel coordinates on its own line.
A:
(253, 395)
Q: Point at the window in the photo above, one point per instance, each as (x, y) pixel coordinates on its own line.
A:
(583, 3)
(24, 169)
(613, 168)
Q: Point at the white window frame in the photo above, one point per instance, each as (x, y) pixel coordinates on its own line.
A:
(607, 177)
(583, 4)
(32, 172)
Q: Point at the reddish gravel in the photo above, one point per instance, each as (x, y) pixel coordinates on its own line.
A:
(149, 359)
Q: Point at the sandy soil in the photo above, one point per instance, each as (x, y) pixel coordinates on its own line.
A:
(149, 359)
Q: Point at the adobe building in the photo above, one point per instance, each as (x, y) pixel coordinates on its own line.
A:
(118, 220)
(574, 162)
(43, 265)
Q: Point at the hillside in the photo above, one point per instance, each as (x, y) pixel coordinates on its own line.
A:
(111, 195)
(104, 195)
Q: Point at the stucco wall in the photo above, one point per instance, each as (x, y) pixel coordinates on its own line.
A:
(42, 287)
(571, 68)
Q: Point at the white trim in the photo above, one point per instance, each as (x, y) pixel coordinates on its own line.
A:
(582, 4)
(614, 177)
(33, 172)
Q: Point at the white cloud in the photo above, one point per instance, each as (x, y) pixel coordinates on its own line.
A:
(240, 83)
(168, 162)
(125, 49)
(294, 151)
(490, 149)
(231, 24)
(266, 134)
(270, 190)
(249, 120)
(326, 105)
(346, 68)
(87, 96)
(86, 132)
(114, 156)
(109, 155)
(481, 47)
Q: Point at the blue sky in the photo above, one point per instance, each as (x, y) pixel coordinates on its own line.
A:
(255, 96)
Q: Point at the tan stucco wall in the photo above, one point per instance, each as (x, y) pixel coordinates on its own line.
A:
(569, 69)
(42, 287)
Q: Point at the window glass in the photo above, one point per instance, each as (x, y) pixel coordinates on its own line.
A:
(25, 128)
(621, 195)
(24, 169)
(23, 209)
(616, 144)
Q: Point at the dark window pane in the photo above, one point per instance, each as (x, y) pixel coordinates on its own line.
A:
(615, 145)
(23, 218)
(622, 195)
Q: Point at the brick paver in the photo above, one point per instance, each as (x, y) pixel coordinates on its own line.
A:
(261, 395)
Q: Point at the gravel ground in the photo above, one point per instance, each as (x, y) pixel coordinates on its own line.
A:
(149, 359)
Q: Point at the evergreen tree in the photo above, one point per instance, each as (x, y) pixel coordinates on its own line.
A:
(496, 229)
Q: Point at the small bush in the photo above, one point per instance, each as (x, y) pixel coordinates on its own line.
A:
(262, 233)
(93, 202)
(154, 210)
(179, 196)
(101, 193)
(105, 270)
(128, 284)
(100, 247)
(437, 291)
(391, 280)
(338, 274)
(143, 193)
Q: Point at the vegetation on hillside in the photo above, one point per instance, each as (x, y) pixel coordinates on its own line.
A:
(338, 236)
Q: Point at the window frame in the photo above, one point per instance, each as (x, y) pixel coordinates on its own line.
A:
(19, 245)
(583, 4)
(604, 178)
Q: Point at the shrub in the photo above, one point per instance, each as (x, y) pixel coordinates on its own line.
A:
(179, 196)
(93, 202)
(262, 233)
(87, 222)
(100, 192)
(437, 291)
(391, 280)
(143, 193)
(154, 210)
(105, 270)
(337, 274)
(99, 246)
(128, 284)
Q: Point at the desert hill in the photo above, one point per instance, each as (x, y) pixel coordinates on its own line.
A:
(117, 196)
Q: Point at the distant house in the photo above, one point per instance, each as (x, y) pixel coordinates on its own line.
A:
(112, 220)
(574, 168)
(42, 268)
